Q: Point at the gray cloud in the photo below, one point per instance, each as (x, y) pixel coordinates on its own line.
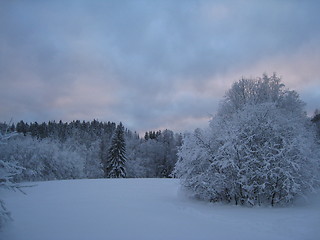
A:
(150, 64)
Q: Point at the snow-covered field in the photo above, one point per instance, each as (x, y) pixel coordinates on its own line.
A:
(145, 209)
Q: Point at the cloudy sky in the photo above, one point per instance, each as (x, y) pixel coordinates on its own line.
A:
(150, 64)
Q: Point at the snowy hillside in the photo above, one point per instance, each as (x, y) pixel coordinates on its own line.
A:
(145, 209)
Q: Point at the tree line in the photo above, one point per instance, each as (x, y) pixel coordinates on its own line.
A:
(83, 149)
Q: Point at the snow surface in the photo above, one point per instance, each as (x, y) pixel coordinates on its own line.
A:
(145, 209)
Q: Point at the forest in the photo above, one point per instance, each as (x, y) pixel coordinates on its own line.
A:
(79, 149)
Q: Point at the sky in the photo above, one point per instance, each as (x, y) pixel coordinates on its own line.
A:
(149, 64)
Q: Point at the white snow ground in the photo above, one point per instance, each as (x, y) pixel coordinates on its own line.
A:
(145, 209)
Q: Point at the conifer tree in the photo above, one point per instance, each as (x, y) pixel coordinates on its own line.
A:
(115, 164)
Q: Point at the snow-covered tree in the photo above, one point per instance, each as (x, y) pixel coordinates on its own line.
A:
(45, 159)
(195, 157)
(153, 156)
(316, 121)
(259, 148)
(8, 170)
(93, 166)
(114, 166)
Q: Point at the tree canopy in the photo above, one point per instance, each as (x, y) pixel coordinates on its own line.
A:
(260, 148)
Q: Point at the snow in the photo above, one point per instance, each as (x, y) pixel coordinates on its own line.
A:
(145, 209)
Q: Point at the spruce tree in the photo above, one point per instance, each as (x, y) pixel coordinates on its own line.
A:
(115, 164)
